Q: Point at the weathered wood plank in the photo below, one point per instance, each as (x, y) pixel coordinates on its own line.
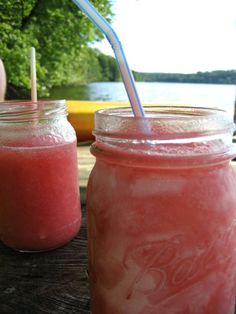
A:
(85, 164)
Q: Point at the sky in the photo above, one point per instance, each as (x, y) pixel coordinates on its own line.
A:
(177, 36)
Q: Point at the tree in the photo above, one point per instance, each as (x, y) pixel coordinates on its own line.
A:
(109, 68)
(58, 30)
(214, 77)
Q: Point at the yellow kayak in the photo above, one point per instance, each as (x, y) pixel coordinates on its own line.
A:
(81, 115)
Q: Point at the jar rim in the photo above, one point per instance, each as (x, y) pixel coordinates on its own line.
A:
(21, 102)
(28, 110)
(127, 113)
(162, 121)
(166, 130)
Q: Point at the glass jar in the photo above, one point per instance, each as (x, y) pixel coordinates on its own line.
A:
(161, 206)
(39, 194)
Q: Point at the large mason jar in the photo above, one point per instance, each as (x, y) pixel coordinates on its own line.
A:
(39, 195)
(162, 212)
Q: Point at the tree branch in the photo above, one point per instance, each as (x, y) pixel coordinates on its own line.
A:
(27, 19)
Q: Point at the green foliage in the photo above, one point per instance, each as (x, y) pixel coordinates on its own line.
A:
(61, 34)
(214, 77)
(109, 68)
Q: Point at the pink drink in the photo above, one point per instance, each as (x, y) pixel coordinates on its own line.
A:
(39, 193)
(161, 229)
(39, 202)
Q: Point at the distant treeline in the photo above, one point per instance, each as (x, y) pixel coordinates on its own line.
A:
(107, 70)
(213, 77)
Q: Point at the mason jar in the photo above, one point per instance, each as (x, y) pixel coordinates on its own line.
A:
(39, 194)
(161, 206)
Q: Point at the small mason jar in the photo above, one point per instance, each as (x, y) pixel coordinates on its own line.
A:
(39, 194)
(161, 206)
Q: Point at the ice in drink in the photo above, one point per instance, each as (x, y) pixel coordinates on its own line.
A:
(39, 200)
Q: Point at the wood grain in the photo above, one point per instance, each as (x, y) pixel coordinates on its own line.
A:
(85, 164)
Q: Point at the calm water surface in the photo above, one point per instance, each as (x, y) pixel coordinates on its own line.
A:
(203, 95)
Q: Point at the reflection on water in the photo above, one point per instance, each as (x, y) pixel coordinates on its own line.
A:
(105, 91)
(70, 92)
(203, 95)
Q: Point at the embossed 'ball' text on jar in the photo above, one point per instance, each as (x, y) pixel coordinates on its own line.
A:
(161, 206)
(39, 194)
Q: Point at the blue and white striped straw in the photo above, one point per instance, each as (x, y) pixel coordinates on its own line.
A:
(113, 39)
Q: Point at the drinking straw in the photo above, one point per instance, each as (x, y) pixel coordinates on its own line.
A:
(113, 39)
(33, 75)
(3, 81)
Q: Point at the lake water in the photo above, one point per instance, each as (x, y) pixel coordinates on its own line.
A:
(203, 95)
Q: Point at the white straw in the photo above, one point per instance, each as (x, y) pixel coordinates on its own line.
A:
(3, 81)
(33, 75)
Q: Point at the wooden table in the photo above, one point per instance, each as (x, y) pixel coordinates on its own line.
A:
(53, 282)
